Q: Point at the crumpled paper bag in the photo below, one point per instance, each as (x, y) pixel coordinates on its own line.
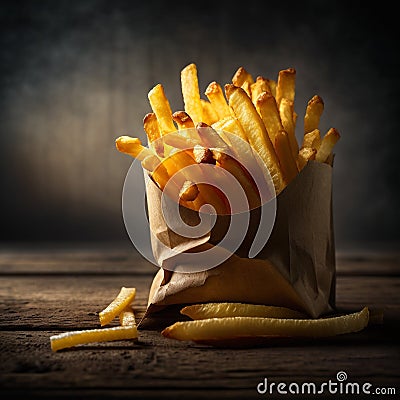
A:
(295, 269)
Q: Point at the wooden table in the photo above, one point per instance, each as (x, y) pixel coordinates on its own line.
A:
(47, 289)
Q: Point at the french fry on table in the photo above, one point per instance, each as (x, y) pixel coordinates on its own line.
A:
(232, 309)
(123, 299)
(213, 330)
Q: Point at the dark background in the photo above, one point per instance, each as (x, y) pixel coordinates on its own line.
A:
(74, 75)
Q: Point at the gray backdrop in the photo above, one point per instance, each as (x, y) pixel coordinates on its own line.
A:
(75, 75)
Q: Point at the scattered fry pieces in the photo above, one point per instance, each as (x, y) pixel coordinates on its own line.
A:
(75, 338)
(123, 299)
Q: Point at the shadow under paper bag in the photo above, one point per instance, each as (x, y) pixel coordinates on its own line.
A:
(295, 269)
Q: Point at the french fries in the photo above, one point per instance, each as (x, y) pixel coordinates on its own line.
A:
(260, 112)
(222, 310)
(123, 299)
(220, 329)
(190, 93)
(120, 307)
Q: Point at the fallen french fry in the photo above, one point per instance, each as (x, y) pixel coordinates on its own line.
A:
(285, 87)
(75, 338)
(216, 329)
(127, 317)
(256, 132)
(222, 310)
(327, 144)
(123, 299)
(314, 110)
(305, 154)
(286, 160)
(162, 109)
(216, 97)
(190, 93)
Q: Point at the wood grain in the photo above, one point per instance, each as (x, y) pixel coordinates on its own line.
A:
(46, 292)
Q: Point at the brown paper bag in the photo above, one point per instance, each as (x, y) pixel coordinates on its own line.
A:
(295, 269)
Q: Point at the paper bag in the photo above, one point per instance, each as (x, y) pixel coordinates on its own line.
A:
(295, 269)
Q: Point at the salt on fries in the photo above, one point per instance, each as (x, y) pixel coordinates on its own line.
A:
(259, 111)
(120, 306)
(214, 330)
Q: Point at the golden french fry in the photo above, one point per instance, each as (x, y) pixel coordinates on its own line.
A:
(209, 114)
(305, 154)
(243, 79)
(123, 299)
(183, 120)
(314, 110)
(327, 144)
(189, 191)
(286, 160)
(285, 88)
(256, 133)
(232, 125)
(222, 310)
(260, 85)
(75, 338)
(150, 125)
(216, 97)
(158, 172)
(133, 147)
(241, 175)
(216, 329)
(162, 109)
(312, 139)
(127, 317)
(286, 112)
(190, 93)
(268, 110)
